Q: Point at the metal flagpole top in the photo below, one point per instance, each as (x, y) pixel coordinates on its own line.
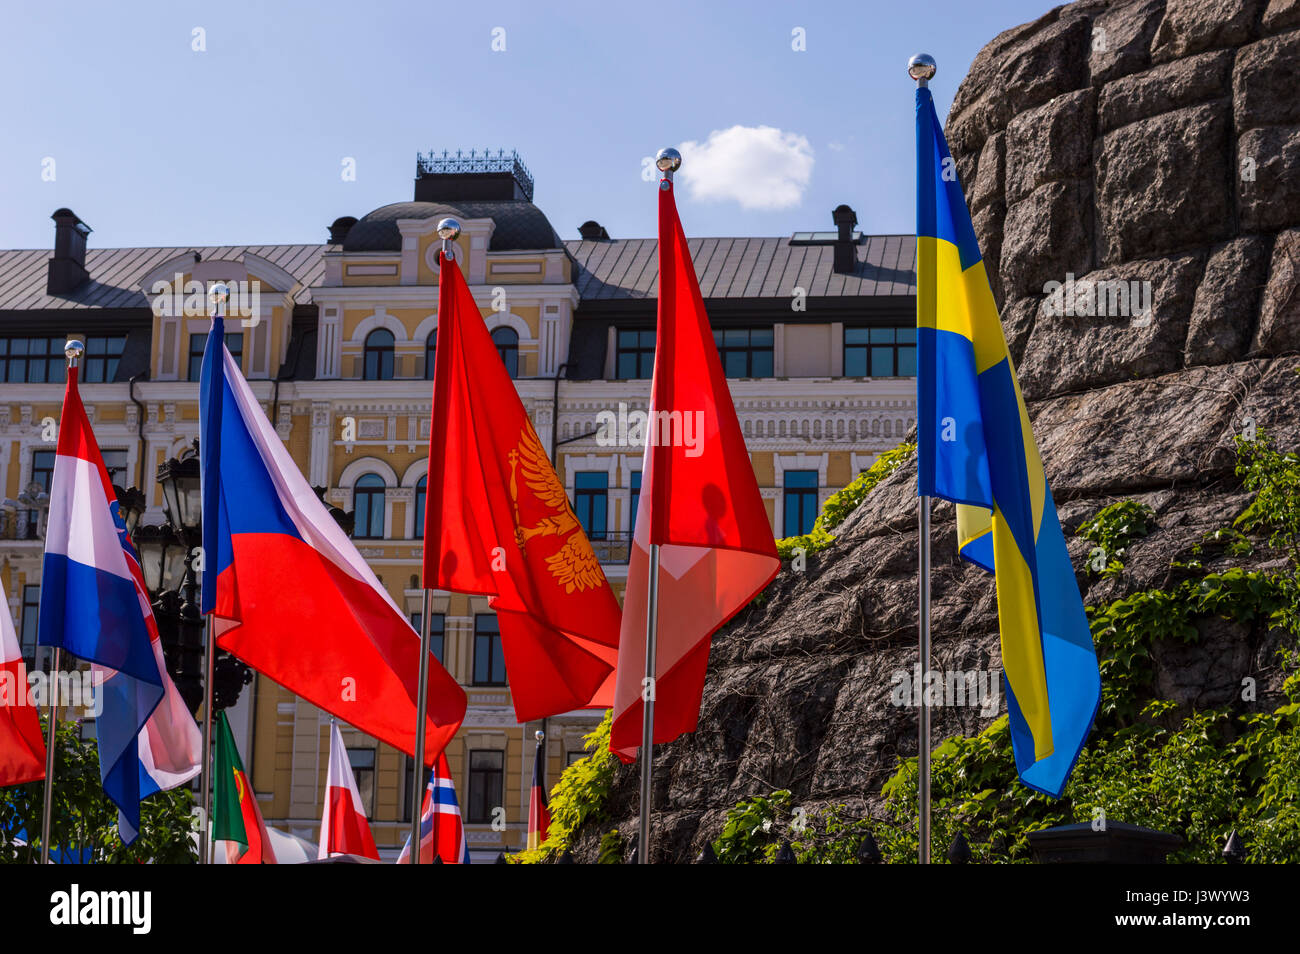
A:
(922, 68)
(74, 349)
(448, 231)
(540, 736)
(668, 160)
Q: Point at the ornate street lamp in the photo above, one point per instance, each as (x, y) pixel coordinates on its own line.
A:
(130, 506)
(182, 494)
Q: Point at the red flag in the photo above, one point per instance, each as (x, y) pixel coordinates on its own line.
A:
(498, 522)
(22, 752)
(343, 827)
(699, 501)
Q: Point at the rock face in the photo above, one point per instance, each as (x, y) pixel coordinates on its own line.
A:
(1148, 146)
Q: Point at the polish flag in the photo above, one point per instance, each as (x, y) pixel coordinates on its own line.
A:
(343, 826)
(700, 503)
(22, 753)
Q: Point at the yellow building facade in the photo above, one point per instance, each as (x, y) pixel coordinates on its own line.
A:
(337, 342)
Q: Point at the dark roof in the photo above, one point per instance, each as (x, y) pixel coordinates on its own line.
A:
(519, 225)
(115, 273)
(747, 268)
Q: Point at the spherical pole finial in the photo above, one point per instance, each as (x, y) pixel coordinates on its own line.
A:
(74, 349)
(669, 160)
(921, 68)
(218, 295)
(448, 231)
(540, 736)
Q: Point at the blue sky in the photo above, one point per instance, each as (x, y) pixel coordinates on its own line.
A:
(154, 143)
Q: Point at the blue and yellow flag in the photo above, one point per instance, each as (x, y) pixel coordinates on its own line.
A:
(976, 449)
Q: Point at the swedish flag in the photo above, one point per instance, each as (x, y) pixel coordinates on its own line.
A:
(976, 449)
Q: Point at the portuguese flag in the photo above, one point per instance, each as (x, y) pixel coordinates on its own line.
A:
(236, 818)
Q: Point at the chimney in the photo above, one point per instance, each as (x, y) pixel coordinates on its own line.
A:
(339, 229)
(593, 231)
(68, 266)
(846, 259)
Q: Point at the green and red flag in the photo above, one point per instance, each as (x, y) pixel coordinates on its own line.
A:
(236, 819)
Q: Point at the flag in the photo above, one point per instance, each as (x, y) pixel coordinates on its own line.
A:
(94, 605)
(539, 813)
(22, 751)
(290, 594)
(237, 820)
(699, 502)
(343, 826)
(441, 833)
(976, 448)
(498, 522)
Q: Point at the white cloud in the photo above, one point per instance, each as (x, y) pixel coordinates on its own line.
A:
(759, 167)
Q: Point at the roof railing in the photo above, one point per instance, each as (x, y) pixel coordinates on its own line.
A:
(448, 163)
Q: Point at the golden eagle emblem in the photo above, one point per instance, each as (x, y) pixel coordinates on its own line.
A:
(575, 565)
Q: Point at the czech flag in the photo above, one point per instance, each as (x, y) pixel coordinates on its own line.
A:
(442, 835)
(976, 448)
(539, 813)
(290, 594)
(699, 501)
(343, 826)
(94, 605)
(22, 751)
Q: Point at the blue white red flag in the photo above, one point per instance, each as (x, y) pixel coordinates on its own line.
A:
(94, 605)
(289, 593)
(441, 832)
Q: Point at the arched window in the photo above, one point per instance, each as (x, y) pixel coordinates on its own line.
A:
(379, 355)
(421, 490)
(430, 352)
(368, 501)
(507, 342)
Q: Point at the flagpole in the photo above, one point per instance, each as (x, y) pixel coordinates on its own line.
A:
(72, 350)
(921, 68)
(448, 231)
(218, 294)
(418, 780)
(648, 705)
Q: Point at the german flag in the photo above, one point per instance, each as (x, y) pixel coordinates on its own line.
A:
(539, 815)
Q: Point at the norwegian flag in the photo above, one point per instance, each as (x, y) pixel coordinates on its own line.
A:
(441, 831)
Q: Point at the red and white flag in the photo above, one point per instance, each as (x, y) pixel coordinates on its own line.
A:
(22, 752)
(699, 501)
(343, 827)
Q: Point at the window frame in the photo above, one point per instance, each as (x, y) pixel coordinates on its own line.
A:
(749, 350)
(802, 495)
(507, 352)
(485, 787)
(492, 639)
(370, 492)
(385, 356)
(637, 351)
(864, 350)
(585, 500)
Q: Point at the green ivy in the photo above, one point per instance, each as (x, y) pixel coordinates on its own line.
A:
(579, 796)
(840, 504)
(749, 833)
(1113, 528)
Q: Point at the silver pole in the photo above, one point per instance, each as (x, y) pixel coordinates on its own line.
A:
(218, 294)
(923, 719)
(422, 705)
(48, 811)
(648, 707)
(206, 853)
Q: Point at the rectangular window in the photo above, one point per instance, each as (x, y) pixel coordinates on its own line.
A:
(800, 501)
(32, 360)
(634, 354)
(234, 344)
(489, 662)
(571, 757)
(486, 774)
(591, 501)
(363, 767)
(437, 632)
(880, 352)
(99, 364)
(745, 352)
(115, 464)
(43, 469)
(636, 498)
(31, 612)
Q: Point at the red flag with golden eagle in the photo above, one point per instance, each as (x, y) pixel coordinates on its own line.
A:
(498, 522)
